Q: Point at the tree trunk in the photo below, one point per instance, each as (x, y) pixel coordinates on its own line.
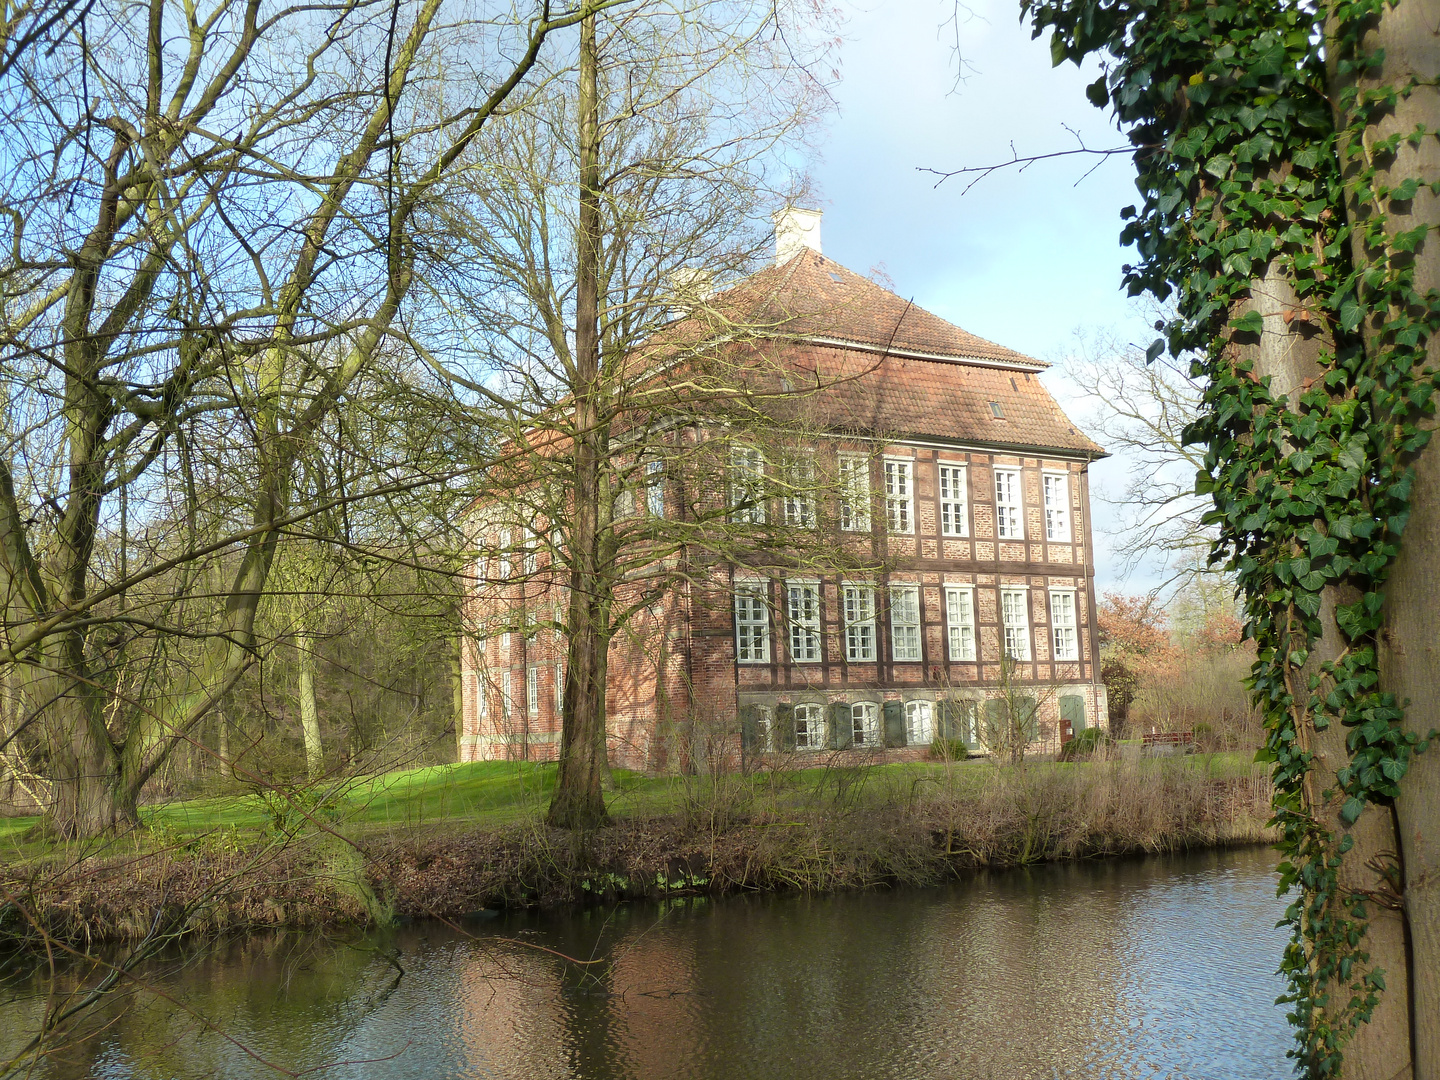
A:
(1408, 32)
(1408, 650)
(457, 695)
(1380, 1050)
(309, 715)
(578, 801)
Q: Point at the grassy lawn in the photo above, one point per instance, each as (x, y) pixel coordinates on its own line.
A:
(497, 793)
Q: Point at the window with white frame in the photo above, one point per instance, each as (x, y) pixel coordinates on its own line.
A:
(480, 695)
(532, 551)
(854, 493)
(559, 688)
(905, 622)
(1009, 523)
(954, 515)
(532, 690)
(865, 724)
(507, 700)
(655, 488)
(747, 485)
(752, 625)
(1015, 618)
(764, 728)
(960, 622)
(859, 611)
(809, 727)
(506, 539)
(919, 722)
(1057, 506)
(1062, 626)
(803, 611)
(899, 491)
(800, 495)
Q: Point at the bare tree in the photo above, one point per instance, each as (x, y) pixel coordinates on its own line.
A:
(216, 217)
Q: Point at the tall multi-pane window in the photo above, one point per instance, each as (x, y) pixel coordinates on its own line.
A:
(481, 705)
(532, 552)
(1015, 617)
(1057, 507)
(1009, 524)
(655, 488)
(899, 503)
(809, 727)
(505, 542)
(747, 485)
(905, 622)
(752, 625)
(1062, 626)
(559, 687)
(799, 501)
(865, 723)
(532, 690)
(803, 609)
(507, 700)
(960, 623)
(855, 493)
(919, 722)
(954, 516)
(859, 604)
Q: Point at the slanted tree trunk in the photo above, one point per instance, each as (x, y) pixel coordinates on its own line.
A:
(578, 801)
(1288, 353)
(1408, 33)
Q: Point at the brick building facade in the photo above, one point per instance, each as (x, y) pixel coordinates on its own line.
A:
(961, 476)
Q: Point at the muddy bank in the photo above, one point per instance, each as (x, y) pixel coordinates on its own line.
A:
(325, 880)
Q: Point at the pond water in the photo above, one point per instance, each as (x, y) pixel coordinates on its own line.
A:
(1157, 967)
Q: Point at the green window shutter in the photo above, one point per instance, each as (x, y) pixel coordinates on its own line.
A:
(842, 730)
(1029, 718)
(784, 731)
(949, 719)
(783, 727)
(1072, 712)
(997, 720)
(894, 723)
(747, 727)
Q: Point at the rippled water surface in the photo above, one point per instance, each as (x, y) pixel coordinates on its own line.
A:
(1147, 968)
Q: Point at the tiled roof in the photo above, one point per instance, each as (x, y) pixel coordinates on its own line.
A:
(812, 296)
(907, 373)
(908, 397)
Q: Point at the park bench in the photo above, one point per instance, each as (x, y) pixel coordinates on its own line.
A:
(1155, 743)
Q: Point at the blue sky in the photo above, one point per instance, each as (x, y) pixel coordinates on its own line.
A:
(1024, 259)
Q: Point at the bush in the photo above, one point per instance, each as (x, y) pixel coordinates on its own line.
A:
(1084, 745)
(949, 750)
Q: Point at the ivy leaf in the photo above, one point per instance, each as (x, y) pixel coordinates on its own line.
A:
(1252, 322)
(1097, 92)
(1350, 812)
(1219, 166)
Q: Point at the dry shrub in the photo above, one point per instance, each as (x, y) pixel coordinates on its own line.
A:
(1108, 807)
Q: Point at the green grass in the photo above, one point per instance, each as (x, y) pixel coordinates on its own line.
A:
(497, 793)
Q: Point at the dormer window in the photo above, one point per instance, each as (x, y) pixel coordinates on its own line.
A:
(996, 411)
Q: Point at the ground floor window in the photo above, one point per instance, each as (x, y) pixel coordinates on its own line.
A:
(865, 724)
(809, 727)
(919, 722)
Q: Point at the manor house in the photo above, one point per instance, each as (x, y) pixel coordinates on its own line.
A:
(963, 481)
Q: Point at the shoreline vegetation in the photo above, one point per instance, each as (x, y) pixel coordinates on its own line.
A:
(449, 842)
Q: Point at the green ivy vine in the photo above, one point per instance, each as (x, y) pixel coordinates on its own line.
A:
(1244, 149)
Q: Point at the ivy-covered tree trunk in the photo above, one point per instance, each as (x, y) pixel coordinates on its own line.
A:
(1289, 354)
(1406, 35)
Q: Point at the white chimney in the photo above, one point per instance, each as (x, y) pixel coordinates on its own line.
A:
(795, 230)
